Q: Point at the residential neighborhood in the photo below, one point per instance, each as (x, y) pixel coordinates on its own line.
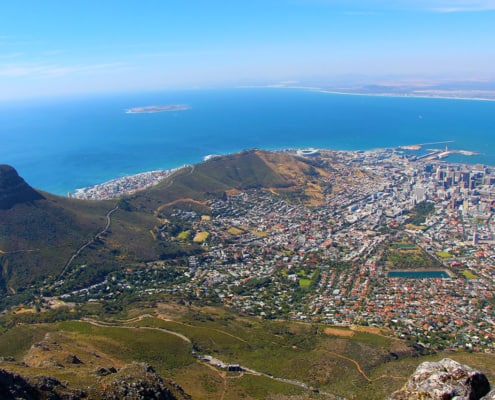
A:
(384, 214)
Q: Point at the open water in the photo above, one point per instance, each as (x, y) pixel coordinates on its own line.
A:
(59, 145)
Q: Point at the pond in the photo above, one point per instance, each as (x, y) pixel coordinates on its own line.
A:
(418, 274)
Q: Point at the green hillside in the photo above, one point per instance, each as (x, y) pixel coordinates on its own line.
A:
(41, 232)
(281, 358)
(38, 238)
(209, 179)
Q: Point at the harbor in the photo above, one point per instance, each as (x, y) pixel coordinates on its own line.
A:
(437, 154)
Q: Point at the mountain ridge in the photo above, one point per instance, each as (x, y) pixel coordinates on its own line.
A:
(41, 231)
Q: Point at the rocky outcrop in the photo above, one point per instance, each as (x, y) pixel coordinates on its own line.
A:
(138, 381)
(13, 189)
(444, 380)
(104, 371)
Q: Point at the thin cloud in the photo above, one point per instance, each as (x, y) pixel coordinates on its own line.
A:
(4, 39)
(17, 70)
(9, 56)
(370, 6)
(448, 6)
(47, 70)
(10, 41)
(53, 52)
(461, 9)
(461, 6)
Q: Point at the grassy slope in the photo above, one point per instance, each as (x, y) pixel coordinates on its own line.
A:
(38, 238)
(211, 178)
(301, 352)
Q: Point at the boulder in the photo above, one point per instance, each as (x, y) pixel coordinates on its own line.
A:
(444, 380)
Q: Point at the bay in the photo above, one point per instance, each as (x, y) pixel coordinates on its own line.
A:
(62, 144)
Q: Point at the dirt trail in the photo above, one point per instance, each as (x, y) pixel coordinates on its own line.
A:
(108, 325)
(222, 374)
(163, 318)
(358, 367)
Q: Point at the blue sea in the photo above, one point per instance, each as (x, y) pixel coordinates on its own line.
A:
(62, 144)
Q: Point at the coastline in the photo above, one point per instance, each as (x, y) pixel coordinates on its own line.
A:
(407, 95)
(129, 184)
(412, 95)
(223, 122)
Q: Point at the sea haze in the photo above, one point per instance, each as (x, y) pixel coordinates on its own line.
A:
(60, 145)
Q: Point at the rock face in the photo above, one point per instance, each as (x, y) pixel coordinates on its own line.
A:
(444, 380)
(13, 189)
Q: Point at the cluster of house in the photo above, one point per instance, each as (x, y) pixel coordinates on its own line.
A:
(278, 259)
(121, 186)
(257, 237)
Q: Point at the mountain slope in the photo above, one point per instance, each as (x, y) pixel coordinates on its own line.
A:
(41, 232)
(240, 171)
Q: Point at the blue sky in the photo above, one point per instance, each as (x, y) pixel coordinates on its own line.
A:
(57, 47)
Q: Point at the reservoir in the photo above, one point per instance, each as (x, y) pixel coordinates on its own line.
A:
(418, 274)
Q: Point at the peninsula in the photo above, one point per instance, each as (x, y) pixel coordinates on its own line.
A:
(157, 109)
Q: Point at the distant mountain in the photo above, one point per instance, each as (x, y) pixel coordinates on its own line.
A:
(41, 233)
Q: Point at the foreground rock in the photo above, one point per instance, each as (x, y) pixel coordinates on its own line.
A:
(444, 380)
(136, 381)
(14, 387)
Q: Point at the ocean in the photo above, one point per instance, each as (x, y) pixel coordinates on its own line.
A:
(59, 145)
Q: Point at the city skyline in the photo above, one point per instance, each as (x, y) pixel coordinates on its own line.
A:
(59, 48)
